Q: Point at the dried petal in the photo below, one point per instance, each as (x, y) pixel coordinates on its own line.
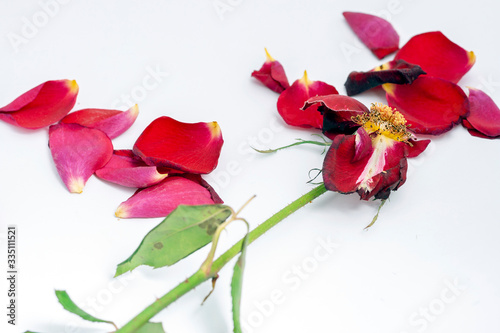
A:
(484, 118)
(111, 122)
(292, 100)
(41, 106)
(130, 171)
(161, 199)
(395, 71)
(337, 111)
(272, 75)
(376, 33)
(416, 147)
(78, 152)
(430, 105)
(437, 55)
(193, 148)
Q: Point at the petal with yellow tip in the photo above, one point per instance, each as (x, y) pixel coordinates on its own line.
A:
(78, 152)
(272, 75)
(41, 106)
(292, 100)
(111, 122)
(189, 147)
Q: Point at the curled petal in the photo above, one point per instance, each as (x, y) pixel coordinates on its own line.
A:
(292, 99)
(437, 55)
(272, 75)
(337, 111)
(375, 173)
(130, 171)
(395, 71)
(78, 152)
(111, 122)
(193, 148)
(41, 106)
(161, 199)
(484, 118)
(430, 105)
(376, 33)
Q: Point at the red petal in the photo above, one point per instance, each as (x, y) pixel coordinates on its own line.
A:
(41, 106)
(272, 75)
(431, 105)
(292, 100)
(161, 199)
(416, 148)
(130, 172)
(187, 147)
(484, 115)
(376, 33)
(437, 55)
(111, 122)
(78, 152)
(395, 71)
(337, 111)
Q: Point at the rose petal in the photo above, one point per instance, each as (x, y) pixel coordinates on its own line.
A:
(41, 106)
(416, 147)
(161, 199)
(395, 71)
(130, 172)
(292, 100)
(193, 148)
(430, 105)
(78, 152)
(376, 33)
(375, 173)
(484, 115)
(111, 122)
(272, 75)
(437, 55)
(337, 111)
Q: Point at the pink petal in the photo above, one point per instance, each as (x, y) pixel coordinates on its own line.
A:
(484, 115)
(272, 75)
(41, 106)
(111, 122)
(78, 152)
(130, 172)
(376, 33)
(430, 105)
(292, 100)
(161, 199)
(437, 55)
(193, 148)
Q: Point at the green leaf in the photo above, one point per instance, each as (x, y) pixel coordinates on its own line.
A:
(69, 305)
(151, 328)
(237, 284)
(182, 232)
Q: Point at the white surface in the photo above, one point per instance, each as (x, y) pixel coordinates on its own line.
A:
(441, 227)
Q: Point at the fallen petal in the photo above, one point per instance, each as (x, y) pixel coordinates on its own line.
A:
(161, 199)
(437, 55)
(416, 147)
(272, 75)
(41, 106)
(130, 171)
(484, 116)
(292, 100)
(111, 122)
(337, 111)
(193, 148)
(78, 152)
(376, 33)
(430, 105)
(395, 71)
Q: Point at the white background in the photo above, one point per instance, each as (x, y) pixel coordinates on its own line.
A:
(441, 228)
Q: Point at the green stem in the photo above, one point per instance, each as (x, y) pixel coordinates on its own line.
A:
(199, 277)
